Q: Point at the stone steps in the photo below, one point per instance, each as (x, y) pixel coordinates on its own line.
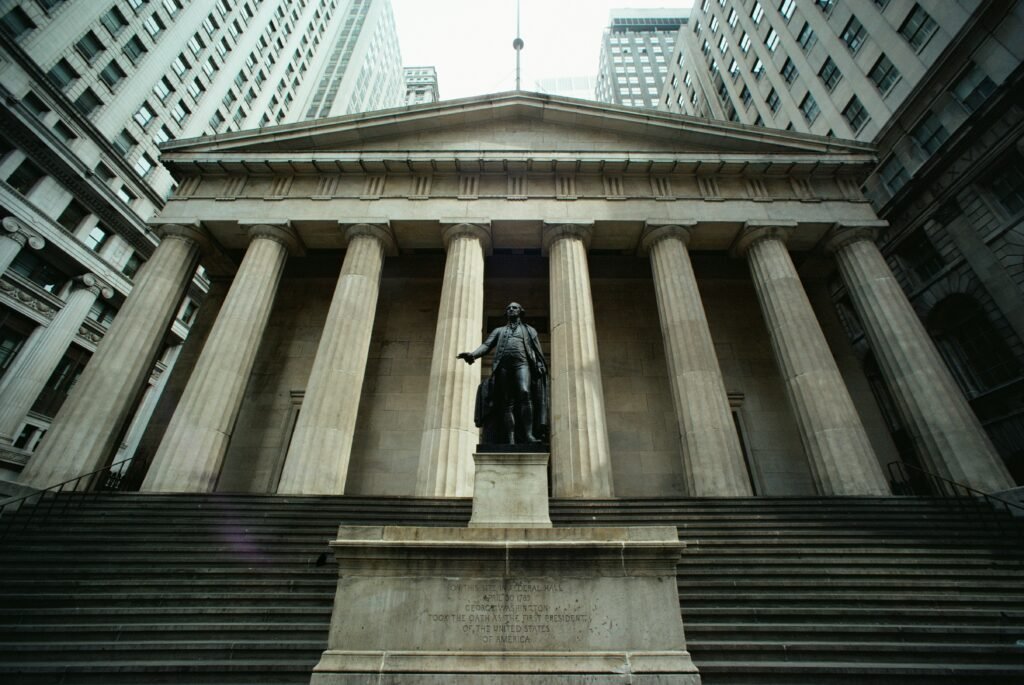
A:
(137, 588)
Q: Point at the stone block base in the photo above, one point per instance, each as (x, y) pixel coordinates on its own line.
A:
(510, 490)
(495, 606)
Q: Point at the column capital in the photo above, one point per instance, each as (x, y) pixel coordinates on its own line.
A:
(478, 228)
(279, 231)
(190, 230)
(754, 231)
(19, 232)
(846, 232)
(375, 228)
(94, 284)
(556, 230)
(658, 230)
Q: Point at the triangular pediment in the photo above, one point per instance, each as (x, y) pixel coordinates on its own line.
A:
(515, 122)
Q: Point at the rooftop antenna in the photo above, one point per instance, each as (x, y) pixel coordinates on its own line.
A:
(518, 45)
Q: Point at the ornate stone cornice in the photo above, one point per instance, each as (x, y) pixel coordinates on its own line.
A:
(844, 233)
(375, 228)
(756, 231)
(477, 228)
(656, 231)
(16, 230)
(557, 230)
(280, 232)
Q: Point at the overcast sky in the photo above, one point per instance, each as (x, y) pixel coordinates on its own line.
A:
(470, 41)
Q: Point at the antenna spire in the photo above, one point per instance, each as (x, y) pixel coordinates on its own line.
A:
(518, 45)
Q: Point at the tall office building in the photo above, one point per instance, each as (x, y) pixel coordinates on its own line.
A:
(420, 85)
(636, 50)
(91, 89)
(932, 84)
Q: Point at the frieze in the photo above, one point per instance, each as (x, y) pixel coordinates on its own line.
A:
(27, 299)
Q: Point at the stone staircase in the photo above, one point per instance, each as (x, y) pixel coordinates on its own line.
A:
(128, 588)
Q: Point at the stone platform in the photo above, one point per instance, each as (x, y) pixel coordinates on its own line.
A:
(498, 606)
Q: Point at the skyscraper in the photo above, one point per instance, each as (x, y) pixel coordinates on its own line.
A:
(91, 89)
(420, 85)
(636, 50)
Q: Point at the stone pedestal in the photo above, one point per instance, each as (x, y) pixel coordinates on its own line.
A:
(437, 606)
(513, 490)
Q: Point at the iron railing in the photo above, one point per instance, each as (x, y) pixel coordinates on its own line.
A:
(48, 501)
(999, 513)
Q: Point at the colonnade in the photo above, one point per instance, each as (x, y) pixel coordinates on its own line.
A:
(840, 454)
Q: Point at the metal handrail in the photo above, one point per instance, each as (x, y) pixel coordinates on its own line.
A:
(107, 479)
(907, 479)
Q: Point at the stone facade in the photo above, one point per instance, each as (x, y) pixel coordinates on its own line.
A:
(567, 191)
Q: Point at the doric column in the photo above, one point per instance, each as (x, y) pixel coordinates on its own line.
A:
(840, 453)
(581, 463)
(85, 431)
(27, 375)
(712, 459)
(449, 435)
(945, 431)
(193, 448)
(14, 236)
(321, 446)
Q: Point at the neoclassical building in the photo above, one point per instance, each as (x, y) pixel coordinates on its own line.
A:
(675, 267)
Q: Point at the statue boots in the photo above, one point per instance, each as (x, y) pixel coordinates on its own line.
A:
(509, 425)
(526, 421)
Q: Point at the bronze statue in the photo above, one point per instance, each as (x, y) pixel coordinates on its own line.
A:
(512, 405)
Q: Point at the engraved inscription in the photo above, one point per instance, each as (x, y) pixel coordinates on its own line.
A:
(514, 613)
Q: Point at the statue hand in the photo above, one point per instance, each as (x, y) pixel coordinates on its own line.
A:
(466, 357)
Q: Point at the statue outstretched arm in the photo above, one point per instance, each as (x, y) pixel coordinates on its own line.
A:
(485, 347)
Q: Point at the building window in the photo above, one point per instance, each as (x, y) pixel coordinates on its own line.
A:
(884, 74)
(196, 88)
(855, 114)
(144, 165)
(102, 312)
(112, 74)
(89, 47)
(757, 13)
(893, 175)
(830, 74)
(772, 41)
(62, 74)
(758, 70)
(65, 133)
(773, 100)
(746, 97)
(918, 27)
(114, 21)
(143, 115)
(810, 108)
(97, 238)
(216, 120)
(25, 177)
(789, 71)
(973, 88)
(28, 264)
(162, 89)
(854, 35)
(123, 142)
(733, 18)
(786, 8)
(825, 5)
(971, 345)
(1008, 186)
(180, 112)
(745, 43)
(73, 215)
(919, 258)
(153, 25)
(734, 69)
(87, 102)
(180, 65)
(188, 312)
(930, 134)
(723, 44)
(16, 23)
(134, 49)
(162, 135)
(131, 267)
(806, 37)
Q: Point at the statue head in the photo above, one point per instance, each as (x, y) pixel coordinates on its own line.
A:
(514, 310)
